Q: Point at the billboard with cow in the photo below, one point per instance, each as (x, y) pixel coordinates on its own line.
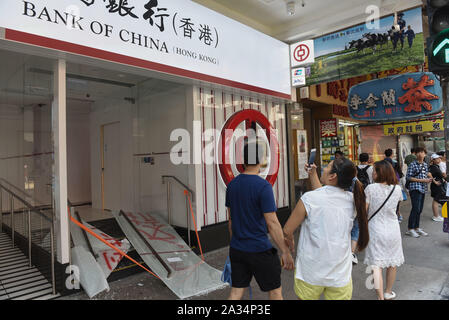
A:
(364, 49)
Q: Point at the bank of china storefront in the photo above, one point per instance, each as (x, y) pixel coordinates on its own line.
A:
(109, 106)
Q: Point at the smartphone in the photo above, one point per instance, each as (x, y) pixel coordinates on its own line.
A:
(312, 156)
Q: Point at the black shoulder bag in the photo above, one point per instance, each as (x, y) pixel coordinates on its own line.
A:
(382, 204)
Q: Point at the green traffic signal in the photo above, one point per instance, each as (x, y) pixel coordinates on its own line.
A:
(440, 49)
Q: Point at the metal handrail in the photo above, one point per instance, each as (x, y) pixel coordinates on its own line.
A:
(30, 208)
(187, 203)
(181, 183)
(26, 203)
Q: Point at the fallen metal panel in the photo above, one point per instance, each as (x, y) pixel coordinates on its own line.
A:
(107, 258)
(90, 275)
(168, 256)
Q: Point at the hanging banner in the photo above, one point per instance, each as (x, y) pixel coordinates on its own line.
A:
(414, 127)
(365, 49)
(396, 98)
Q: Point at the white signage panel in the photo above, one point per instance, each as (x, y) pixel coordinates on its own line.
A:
(183, 37)
(298, 77)
(302, 53)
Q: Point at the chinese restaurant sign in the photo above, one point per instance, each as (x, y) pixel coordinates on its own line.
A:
(359, 50)
(177, 37)
(414, 127)
(328, 128)
(399, 97)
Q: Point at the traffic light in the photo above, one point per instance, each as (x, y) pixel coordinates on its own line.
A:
(438, 41)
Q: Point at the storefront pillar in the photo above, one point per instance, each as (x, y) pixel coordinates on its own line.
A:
(59, 133)
(290, 154)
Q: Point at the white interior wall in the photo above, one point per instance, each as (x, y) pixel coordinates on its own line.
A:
(104, 112)
(145, 128)
(25, 153)
(11, 128)
(160, 114)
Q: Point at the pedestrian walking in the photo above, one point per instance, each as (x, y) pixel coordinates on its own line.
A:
(418, 177)
(399, 174)
(443, 162)
(384, 249)
(437, 187)
(410, 158)
(364, 170)
(338, 154)
(326, 215)
(410, 36)
(252, 214)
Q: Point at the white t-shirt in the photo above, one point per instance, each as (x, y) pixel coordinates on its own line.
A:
(369, 171)
(443, 166)
(324, 246)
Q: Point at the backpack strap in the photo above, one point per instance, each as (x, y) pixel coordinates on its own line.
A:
(366, 168)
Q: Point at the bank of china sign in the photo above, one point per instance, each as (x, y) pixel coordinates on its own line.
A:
(187, 38)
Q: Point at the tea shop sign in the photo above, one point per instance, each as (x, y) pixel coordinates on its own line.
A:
(406, 96)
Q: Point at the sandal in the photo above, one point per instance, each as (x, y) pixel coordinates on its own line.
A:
(388, 296)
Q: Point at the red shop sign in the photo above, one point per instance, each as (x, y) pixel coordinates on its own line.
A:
(328, 128)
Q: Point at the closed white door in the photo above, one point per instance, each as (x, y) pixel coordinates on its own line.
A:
(111, 166)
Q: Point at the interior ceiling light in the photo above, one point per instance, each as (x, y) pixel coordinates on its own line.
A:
(291, 6)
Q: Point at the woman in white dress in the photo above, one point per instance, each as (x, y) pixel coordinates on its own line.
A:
(385, 246)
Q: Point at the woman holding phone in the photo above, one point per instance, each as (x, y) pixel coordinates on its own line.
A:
(326, 215)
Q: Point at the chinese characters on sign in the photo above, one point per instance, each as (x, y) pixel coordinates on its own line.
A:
(328, 128)
(398, 97)
(414, 127)
(157, 16)
(416, 95)
(341, 111)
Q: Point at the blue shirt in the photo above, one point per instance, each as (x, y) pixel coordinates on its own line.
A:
(249, 197)
(419, 171)
(410, 34)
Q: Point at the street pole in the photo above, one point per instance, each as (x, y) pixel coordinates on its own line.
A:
(445, 86)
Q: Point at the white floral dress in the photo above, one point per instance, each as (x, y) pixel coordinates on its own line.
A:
(385, 243)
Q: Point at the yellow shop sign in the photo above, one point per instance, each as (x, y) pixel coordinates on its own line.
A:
(414, 127)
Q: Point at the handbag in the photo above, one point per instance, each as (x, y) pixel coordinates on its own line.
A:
(404, 195)
(226, 274)
(380, 208)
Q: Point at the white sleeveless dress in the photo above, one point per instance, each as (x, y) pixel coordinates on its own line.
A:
(385, 245)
